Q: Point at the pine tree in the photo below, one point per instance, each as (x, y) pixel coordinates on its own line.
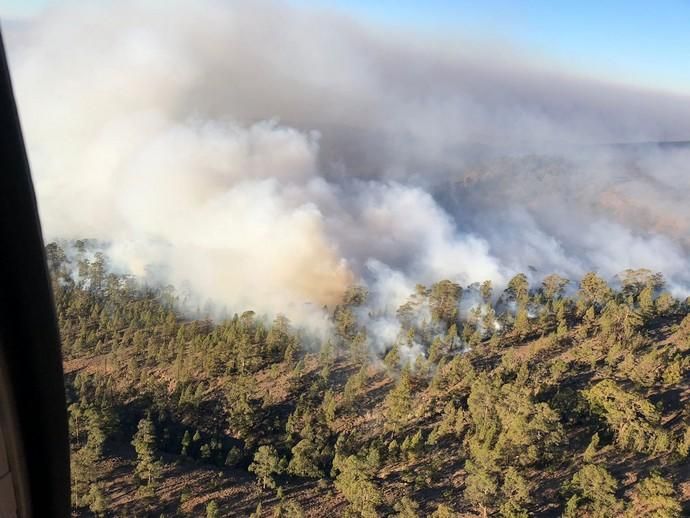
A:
(684, 444)
(95, 433)
(633, 418)
(443, 511)
(516, 493)
(212, 510)
(486, 290)
(329, 407)
(354, 385)
(521, 322)
(654, 496)
(594, 290)
(518, 290)
(399, 401)
(392, 358)
(99, 502)
(242, 409)
(266, 464)
(354, 481)
(646, 302)
(84, 473)
(144, 442)
(305, 460)
(591, 450)
(593, 491)
(406, 508)
(665, 303)
(481, 487)
(186, 442)
(552, 287)
(233, 457)
(443, 301)
(289, 509)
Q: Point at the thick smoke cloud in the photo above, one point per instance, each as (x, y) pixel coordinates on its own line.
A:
(269, 156)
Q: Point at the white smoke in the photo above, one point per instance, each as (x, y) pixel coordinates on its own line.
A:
(269, 156)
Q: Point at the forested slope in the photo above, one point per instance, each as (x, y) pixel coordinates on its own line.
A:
(556, 398)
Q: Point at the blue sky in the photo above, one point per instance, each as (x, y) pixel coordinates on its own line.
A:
(11, 8)
(630, 41)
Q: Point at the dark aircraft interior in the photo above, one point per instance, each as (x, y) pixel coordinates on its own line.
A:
(34, 448)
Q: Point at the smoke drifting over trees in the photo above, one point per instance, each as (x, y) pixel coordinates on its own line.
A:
(270, 156)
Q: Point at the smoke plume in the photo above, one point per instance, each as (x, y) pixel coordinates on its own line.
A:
(269, 156)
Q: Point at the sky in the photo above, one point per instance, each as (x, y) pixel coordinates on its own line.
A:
(21, 8)
(630, 41)
(636, 42)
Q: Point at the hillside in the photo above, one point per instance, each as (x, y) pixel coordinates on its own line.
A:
(556, 398)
